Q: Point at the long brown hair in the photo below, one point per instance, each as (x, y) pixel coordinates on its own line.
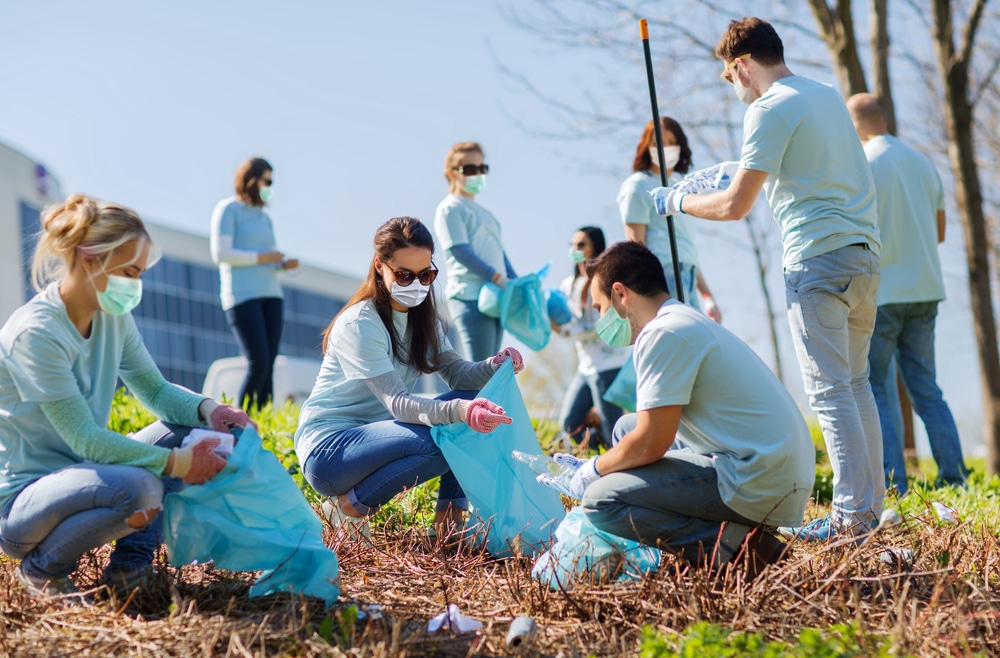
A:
(248, 181)
(424, 348)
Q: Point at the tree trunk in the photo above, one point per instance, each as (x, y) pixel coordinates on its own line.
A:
(837, 27)
(880, 61)
(954, 68)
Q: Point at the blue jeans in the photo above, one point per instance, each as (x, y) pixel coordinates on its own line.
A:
(688, 281)
(831, 310)
(672, 503)
(59, 517)
(479, 336)
(584, 392)
(374, 462)
(907, 331)
(257, 324)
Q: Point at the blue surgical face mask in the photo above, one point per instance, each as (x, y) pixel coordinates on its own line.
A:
(576, 256)
(613, 329)
(121, 296)
(475, 184)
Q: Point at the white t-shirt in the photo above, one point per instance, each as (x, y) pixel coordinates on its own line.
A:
(593, 354)
(736, 413)
(821, 194)
(460, 220)
(43, 358)
(359, 348)
(910, 194)
(636, 207)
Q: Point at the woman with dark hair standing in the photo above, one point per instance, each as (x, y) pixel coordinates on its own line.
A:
(598, 362)
(362, 437)
(645, 226)
(470, 235)
(243, 246)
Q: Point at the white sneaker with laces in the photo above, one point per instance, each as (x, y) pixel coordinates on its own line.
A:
(354, 525)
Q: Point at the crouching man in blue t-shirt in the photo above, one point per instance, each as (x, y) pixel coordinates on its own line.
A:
(717, 447)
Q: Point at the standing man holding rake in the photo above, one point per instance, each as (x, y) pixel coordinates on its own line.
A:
(799, 146)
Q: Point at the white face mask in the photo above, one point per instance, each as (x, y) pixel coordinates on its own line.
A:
(411, 295)
(745, 94)
(672, 154)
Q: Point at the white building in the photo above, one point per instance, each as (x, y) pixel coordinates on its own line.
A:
(180, 317)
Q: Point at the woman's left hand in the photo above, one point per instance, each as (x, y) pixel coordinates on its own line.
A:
(290, 264)
(513, 355)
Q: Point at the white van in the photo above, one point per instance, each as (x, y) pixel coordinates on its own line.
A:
(294, 377)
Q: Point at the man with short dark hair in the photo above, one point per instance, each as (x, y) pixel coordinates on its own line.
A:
(911, 221)
(746, 459)
(799, 146)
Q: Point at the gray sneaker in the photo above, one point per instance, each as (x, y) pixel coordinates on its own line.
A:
(38, 588)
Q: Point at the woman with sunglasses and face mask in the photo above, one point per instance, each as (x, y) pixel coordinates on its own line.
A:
(470, 235)
(362, 437)
(68, 485)
(645, 226)
(243, 246)
(598, 362)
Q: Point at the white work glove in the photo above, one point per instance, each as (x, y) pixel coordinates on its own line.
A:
(667, 200)
(711, 179)
(585, 475)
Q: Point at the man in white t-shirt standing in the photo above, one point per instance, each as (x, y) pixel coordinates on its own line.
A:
(746, 461)
(911, 222)
(799, 146)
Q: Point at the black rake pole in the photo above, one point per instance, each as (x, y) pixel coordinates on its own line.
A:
(644, 32)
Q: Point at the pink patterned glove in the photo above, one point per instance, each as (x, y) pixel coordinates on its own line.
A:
(223, 418)
(484, 416)
(509, 353)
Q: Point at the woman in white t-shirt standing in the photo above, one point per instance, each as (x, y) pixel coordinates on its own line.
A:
(68, 485)
(474, 253)
(598, 363)
(645, 226)
(363, 437)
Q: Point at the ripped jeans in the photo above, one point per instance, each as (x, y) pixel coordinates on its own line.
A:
(57, 518)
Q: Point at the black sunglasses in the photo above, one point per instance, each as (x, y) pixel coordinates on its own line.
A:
(472, 170)
(406, 277)
(580, 245)
(266, 182)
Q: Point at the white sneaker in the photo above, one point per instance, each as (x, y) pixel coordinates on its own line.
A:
(354, 525)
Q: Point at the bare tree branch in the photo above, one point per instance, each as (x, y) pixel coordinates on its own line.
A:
(969, 35)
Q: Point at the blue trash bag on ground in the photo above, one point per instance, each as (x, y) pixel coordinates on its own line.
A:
(584, 554)
(252, 516)
(514, 512)
(621, 392)
(489, 299)
(558, 306)
(523, 310)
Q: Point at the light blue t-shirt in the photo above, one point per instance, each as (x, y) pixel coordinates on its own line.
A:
(736, 415)
(43, 358)
(636, 207)
(820, 191)
(910, 194)
(252, 231)
(359, 348)
(460, 220)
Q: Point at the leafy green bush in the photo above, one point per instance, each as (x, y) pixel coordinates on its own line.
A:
(707, 640)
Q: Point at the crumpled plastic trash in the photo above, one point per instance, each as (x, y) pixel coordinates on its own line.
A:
(454, 621)
(890, 516)
(945, 514)
(902, 557)
(199, 434)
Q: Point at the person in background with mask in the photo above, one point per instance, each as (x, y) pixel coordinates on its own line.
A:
(800, 147)
(68, 485)
(598, 362)
(470, 236)
(746, 460)
(243, 246)
(362, 436)
(645, 226)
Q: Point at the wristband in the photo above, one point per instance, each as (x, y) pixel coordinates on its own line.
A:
(680, 203)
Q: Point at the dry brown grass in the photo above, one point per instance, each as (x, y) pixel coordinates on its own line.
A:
(946, 605)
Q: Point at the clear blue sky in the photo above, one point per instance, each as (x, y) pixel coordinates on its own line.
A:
(355, 104)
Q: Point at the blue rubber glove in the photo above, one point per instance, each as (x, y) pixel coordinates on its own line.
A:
(667, 200)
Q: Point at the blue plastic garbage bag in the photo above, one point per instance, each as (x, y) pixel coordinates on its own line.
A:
(517, 513)
(249, 517)
(621, 392)
(582, 553)
(489, 299)
(557, 306)
(523, 310)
